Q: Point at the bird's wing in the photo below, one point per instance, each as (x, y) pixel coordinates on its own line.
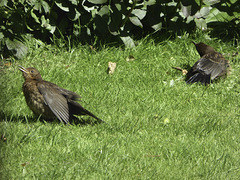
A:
(209, 66)
(199, 77)
(69, 94)
(66, 93)
(55, 101)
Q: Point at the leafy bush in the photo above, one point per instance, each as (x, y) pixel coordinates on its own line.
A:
(114, 19)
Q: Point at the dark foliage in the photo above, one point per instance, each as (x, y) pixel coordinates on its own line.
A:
(110, 19)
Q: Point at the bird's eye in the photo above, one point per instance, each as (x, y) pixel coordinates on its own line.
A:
(32, 71)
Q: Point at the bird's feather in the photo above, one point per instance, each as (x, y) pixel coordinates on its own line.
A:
(55, 101)
(210, 66)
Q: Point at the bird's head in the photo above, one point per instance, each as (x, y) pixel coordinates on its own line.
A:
(203, 48)
(30, 73)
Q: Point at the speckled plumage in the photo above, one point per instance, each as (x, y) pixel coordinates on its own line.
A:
(47, 99)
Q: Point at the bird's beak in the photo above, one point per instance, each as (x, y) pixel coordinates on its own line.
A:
(23, 69)
(194, 43)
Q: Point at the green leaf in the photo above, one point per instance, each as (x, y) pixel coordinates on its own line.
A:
(44, 21)
(74, 14)
(46, 25)
(233, 1)
(136, 21)
(34, 16)
(201, 23)
(114, 33)
(103, 11)
(39, 5)
(157, 27)
(97, 1)
(139, 13)
(62, 6)
(186, 10)
(218, 16)
(204, 11)
(150, 2)
(1, 36)
(3, 3)
(128, 41)
(45, 6)
(18, 48)
(74, 2)
(189, 19)
(211, 2)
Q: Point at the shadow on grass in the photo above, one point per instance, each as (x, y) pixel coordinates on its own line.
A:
(33, 119)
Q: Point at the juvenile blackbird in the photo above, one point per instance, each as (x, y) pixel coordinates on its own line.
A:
(210, 66)
(47, 99)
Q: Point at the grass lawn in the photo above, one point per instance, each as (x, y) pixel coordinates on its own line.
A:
(157, 126)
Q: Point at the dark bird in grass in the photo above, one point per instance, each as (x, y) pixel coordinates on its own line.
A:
(50, 101)
(209, 67)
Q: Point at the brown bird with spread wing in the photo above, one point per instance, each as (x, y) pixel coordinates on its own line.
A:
(209, 67)
(47, 99)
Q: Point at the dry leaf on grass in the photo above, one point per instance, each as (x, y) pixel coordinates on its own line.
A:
(111, 67)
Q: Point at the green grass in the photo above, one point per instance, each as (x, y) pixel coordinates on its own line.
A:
(154, 130)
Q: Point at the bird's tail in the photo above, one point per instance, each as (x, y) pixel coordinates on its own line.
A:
(91, 114)
(77, 109)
